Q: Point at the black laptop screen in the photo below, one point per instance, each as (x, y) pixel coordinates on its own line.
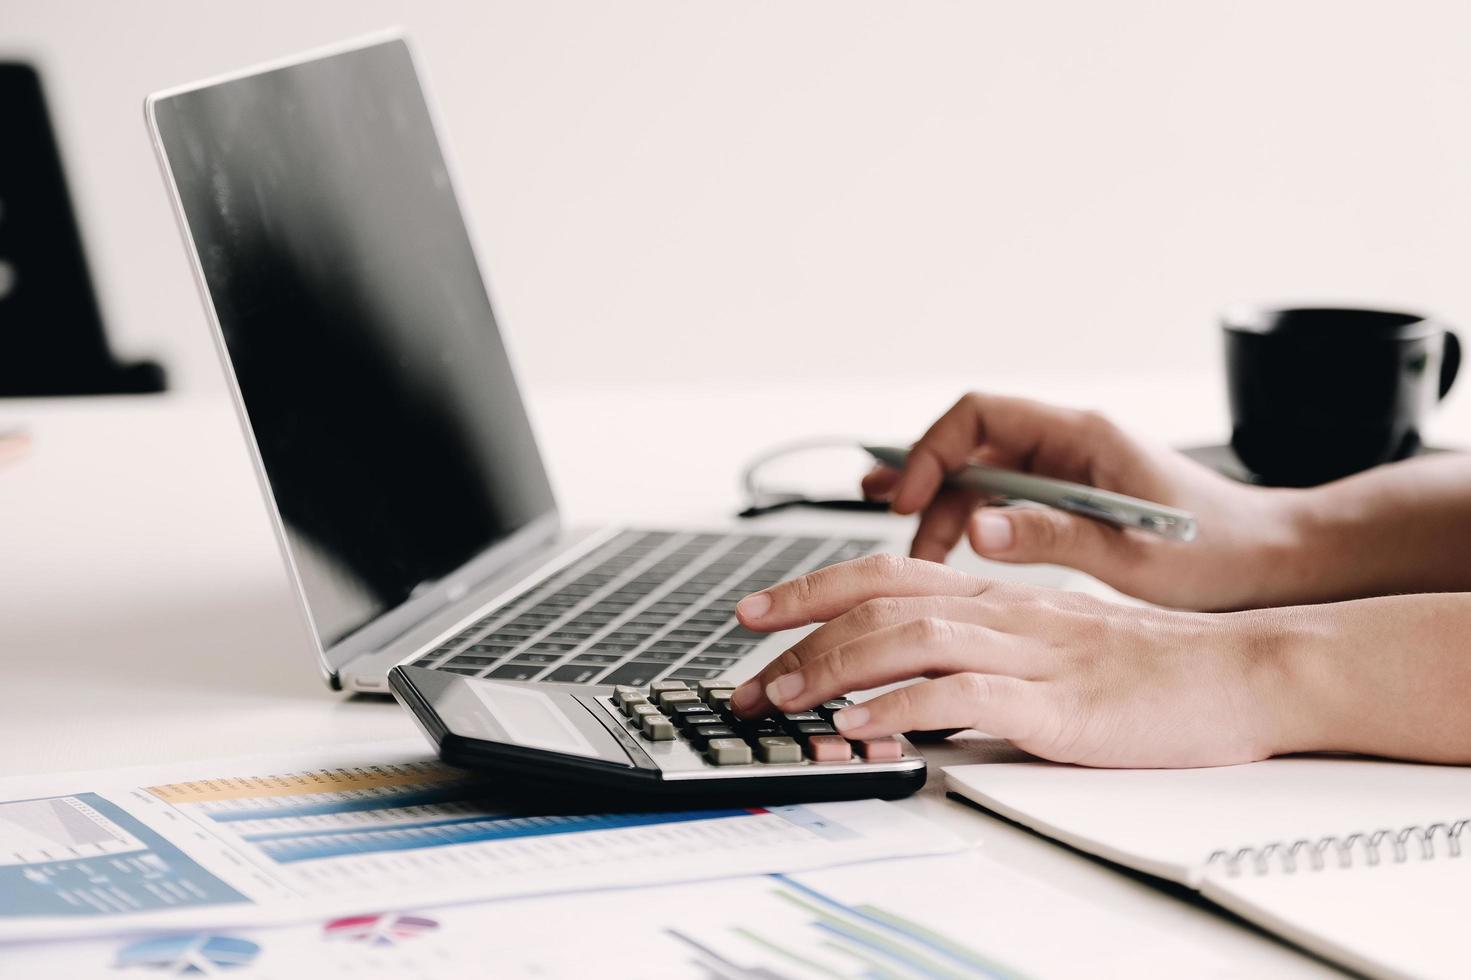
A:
(358, 327)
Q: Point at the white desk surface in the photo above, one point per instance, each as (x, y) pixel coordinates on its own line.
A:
(145, 616)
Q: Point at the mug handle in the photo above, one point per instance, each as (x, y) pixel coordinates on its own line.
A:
(1450, 363)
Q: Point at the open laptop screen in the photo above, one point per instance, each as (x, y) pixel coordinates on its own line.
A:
(357, 323)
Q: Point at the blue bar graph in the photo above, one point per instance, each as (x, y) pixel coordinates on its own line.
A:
(287, 847)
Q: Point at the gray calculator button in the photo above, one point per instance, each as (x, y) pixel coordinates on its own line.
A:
(728, 752)
(657, 728)
(631, 701)
(666, 698)
(641, 711)
(706, 688)
(777, 749)
(658, 687)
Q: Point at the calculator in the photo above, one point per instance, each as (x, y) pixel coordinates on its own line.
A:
(665, 743)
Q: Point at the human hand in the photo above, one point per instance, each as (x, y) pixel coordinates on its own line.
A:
(1247, 551)
(1062, 675)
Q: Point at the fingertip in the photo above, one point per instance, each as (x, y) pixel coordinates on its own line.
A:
(785, 690)
(929, 551)
(747, 699)
(850, 721)
(992, 533)
(753, 608)
(879, 483)
(917, 485)
(906, 501)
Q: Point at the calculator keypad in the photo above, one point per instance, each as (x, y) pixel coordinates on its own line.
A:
(670, 711)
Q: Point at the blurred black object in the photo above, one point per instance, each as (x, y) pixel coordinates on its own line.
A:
(1321, 393)
(1223, 459)
(820, 472)
(51, 333)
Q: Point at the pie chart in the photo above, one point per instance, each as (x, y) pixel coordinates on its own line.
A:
(198, 954)
(388, 929)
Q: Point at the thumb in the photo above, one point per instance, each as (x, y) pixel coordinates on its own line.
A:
(1042, 534)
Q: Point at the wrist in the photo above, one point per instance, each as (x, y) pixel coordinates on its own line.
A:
(1301, 537)
(1266, 536)
(1287, 677)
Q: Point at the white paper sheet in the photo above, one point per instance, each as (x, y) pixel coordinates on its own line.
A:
(954, 916)
(337, 832)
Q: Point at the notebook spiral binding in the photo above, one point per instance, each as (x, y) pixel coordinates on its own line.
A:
(1433, 840)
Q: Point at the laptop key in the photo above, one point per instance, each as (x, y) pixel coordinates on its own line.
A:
(464, 660)
(574, 674)
(721, 662)
(697, 673)
(536, 658)
(661, 656)
(725, 649)
(635, 672)
(516, 672)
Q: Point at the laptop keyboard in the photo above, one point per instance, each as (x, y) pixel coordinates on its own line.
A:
(644, 606)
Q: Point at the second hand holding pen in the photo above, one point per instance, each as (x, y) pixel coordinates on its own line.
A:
(1077, 498)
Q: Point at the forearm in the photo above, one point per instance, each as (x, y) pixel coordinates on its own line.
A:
(1388, 676)
(1399, 528)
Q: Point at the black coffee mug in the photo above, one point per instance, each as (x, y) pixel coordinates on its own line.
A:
(1320, 393)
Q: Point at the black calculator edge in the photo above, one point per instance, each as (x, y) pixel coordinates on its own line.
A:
(641, 787)
(636, 789)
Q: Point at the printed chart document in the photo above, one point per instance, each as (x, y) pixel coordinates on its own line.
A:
(949, 917)
(337, 832)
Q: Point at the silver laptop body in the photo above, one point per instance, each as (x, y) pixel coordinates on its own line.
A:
(382, 412)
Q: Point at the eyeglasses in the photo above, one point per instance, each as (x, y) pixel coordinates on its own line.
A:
(828, 469)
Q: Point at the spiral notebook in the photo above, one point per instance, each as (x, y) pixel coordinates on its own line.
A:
(1366, 863)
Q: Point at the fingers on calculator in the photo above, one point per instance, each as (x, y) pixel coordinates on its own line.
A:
(670, 710)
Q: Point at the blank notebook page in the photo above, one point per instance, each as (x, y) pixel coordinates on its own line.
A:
(1169, 821)
(1388, 919)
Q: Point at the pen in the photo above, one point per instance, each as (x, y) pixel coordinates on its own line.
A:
(1101, 505)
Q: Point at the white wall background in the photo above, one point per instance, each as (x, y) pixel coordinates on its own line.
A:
(847, 187)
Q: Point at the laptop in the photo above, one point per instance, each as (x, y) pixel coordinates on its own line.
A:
(409, 498)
